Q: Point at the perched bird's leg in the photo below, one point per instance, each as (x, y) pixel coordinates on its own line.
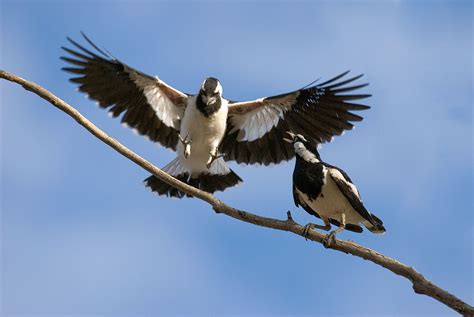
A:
(187, 144)
(213, 156)
(331, 236)
(311, 226)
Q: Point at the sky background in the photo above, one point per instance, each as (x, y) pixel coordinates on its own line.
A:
(81, 236)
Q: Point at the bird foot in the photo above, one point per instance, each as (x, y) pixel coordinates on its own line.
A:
(212, 159)
(187, 140)
(187, 144)
(329, 239)
(307, 229)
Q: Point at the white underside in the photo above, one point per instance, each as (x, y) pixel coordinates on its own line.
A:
(206, 134)
(331, 203)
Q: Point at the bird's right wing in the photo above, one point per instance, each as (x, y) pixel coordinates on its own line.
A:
(350, 192)
(149, 105)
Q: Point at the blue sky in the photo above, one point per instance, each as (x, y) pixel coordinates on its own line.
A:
(80, 236)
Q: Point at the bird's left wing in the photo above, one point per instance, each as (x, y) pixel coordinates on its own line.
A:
(149, 105)
(256, 128)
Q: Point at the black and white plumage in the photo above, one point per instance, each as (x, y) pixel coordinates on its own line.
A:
(206, 129)
(327, 192)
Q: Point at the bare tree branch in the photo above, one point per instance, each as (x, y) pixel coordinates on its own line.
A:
(420, 284)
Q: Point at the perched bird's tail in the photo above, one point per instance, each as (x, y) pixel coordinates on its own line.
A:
(217, 178)
(374, 226)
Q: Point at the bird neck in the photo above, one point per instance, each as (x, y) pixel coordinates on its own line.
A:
(303, 153)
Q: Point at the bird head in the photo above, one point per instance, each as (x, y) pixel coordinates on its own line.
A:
(211, 91)
(301, 144)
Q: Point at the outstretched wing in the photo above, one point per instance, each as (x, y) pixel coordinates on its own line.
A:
(149, 105)
(255, 129)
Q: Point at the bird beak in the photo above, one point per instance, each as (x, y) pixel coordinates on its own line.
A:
(208, 100)
(292, 135)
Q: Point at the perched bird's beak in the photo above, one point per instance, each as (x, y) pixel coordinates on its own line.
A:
(292, 135)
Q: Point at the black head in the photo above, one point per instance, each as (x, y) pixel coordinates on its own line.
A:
(300, 143)
(211, 91)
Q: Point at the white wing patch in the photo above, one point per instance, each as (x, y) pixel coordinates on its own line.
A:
(165, 109)
(338, 175)
(256, 123)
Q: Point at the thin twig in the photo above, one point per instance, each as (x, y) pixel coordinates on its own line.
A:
(420, 284)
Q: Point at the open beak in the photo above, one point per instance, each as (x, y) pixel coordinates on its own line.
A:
(211, 100)
(208, 100)
(292, 135)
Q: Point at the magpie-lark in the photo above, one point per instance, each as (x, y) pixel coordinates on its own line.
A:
(327, 192)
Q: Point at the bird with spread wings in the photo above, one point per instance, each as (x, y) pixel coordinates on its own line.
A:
(207, 129)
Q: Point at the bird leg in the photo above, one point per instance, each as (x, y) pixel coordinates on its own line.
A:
(331, 236)
(311, 226)
(187, 144)
(213, 156)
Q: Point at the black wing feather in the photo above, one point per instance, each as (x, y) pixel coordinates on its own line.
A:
(298, 203)
(319, 112)
(108, 81)
(353, 199)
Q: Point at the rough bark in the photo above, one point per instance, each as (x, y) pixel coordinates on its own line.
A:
(420, 284)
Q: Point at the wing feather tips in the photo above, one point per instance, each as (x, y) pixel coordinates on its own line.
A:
(77, 54)
(352, 97)
(375, 225)
(74, 70)
(350, 88)
(345, 82)
(108, 56)
(74, 62)
(349, 106)
(83, 49)
(334, 79)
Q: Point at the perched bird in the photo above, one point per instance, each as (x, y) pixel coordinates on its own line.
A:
(207, 129)
(327, 192)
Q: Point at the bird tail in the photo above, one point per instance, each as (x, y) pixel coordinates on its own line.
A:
(217, 178)
(375, 225)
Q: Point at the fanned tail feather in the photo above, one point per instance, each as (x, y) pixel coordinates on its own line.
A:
(218, 178)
